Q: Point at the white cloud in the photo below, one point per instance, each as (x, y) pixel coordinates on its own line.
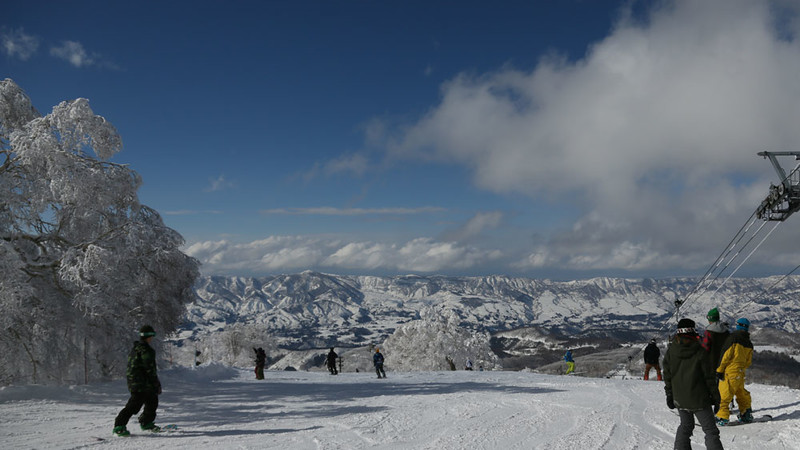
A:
(354, 164)
(652, 135)
(287, 253)
(190, 212)
(331, 211)
(219, 184)
(475, 226)
(74, 53)
(17, 44)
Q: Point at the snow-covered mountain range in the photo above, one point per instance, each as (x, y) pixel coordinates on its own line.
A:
(314, 310)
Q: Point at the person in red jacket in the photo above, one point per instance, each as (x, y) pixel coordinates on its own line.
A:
(715, 336)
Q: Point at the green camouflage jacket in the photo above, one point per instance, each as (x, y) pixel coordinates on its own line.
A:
(141, 373)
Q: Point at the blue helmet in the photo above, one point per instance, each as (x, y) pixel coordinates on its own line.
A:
(743, 324)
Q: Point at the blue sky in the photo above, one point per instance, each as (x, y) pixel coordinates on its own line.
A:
(559, 139)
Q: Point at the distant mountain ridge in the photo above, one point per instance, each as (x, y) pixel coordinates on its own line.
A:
(313, 310)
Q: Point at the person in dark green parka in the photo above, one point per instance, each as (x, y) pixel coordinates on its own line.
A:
(690, 385)
(143, 384)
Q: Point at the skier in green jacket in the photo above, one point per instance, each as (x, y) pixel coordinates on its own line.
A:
(690, 385)
(143, 384)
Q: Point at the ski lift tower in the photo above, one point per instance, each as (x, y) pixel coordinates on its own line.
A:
(784, 198)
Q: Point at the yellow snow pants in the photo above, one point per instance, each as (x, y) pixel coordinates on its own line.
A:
(733, 385)
(570, 367)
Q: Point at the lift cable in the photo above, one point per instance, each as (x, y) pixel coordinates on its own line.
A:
(703, 284)
(745, 259)
(733, 258)
(758, 213)
(706, 280)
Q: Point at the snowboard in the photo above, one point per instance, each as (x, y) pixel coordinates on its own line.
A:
(764, 418)
(164, 429)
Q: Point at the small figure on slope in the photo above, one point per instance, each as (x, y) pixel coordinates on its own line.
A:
(468, 364)
(261, 360)
(143, 384)
(737, 355)
(689, 385)
(331, 362)
(570, 362)
(651, 356)
(377, 360)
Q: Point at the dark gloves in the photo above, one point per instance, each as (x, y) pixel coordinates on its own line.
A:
(717, 400)
(670, 402)
(721, 376)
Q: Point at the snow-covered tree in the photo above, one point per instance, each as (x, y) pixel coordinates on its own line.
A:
(427, 344)
(234, 344)
(83, 263)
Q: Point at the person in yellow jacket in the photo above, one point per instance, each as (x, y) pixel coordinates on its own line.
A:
(737, 355)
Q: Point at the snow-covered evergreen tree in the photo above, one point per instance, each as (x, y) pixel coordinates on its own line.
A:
(426, 344)
(84, 264)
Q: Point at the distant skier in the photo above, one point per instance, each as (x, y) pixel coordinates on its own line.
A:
(737, 355)
(377, 360)
(570, 362)
(651, 357)
(689, 385)
(261, 360)
(143, 384)
(331, 362)
(468, 364)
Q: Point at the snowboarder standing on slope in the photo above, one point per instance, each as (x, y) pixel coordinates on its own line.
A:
(689, 384)
(570, 362)
(331, 362)
(468, 364)
(143, 385)
(377, 360)
(737, 355)
(651, 356)
(261, 360)
(715, 336)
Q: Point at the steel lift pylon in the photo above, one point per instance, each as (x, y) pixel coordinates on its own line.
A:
(784, 198)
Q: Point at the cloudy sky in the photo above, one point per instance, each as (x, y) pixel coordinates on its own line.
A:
(560, 139)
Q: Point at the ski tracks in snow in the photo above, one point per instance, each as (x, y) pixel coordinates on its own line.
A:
(422, 410)
(505, 410)
(605, 416)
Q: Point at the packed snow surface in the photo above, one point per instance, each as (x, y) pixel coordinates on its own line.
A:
(219, 408)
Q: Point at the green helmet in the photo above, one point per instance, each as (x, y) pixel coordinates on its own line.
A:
(713, 315)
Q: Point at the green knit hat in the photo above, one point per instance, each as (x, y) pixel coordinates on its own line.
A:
(713, 315)
(147, 331)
